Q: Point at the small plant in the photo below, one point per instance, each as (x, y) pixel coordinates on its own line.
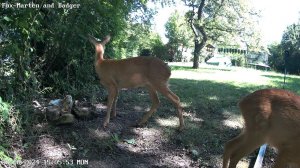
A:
(4, 119)
(115, 138)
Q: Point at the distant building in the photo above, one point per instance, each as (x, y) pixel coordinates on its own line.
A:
(258, 60)
(221, 55)
(219, 60)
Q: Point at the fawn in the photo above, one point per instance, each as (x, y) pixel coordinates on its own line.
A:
(271, 116)
(149, 72)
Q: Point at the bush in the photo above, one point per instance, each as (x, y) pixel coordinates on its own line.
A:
(9, 123)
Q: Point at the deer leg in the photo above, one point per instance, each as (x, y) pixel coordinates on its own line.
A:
(240, 146)
(114, 112)
(164, 90)
(112, 92)
(230, 147)
(155, 104)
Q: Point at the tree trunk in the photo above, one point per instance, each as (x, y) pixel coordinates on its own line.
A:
(197, 51)
(196, 54)
(198, 28)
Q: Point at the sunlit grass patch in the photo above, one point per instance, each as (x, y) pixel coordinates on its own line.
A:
(169, 122)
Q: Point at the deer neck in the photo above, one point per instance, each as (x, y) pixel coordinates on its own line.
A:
(99, 55)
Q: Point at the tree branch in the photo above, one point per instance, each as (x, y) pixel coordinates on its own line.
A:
(204, 35)
(200, 9)
(218, 9)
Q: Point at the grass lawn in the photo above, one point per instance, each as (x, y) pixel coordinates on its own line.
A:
(210, 95)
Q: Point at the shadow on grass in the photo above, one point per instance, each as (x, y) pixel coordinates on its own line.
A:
(207, 105)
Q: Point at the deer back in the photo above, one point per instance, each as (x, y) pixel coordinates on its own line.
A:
(273, 112)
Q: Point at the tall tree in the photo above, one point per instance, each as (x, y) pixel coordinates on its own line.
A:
(179, 35)
(213, 19)
(286, 54)
(291, 45)
(276, 59)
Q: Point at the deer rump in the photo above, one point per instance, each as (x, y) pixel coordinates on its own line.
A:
(271, 116)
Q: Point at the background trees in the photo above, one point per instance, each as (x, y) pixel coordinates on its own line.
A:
(44, 50)
(216, 21)
(291, 45)
(287, 53)
(179, 34)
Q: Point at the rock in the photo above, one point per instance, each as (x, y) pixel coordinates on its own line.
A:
(65, 119)
(59, 110)
(83, 110)
(53, 113)
(67, 104)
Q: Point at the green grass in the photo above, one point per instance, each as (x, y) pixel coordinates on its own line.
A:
(210, 95)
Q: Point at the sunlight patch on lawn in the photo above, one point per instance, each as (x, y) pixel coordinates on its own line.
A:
(176, 161)
(233, 120)
(234, 77)
(186, 104)
(138, 108)
(218, 159)
(232, 124)
(213, 98)
(99, 133)
(50, 150)
(243, 164)
(238, 76)
(170, 122)
(193, 117)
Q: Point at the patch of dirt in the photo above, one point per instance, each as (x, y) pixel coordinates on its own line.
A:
(86, 144)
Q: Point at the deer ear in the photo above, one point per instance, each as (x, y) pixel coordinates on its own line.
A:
(92, 39)
(105, 40)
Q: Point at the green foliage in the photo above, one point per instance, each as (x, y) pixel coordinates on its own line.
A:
(4, 158)
(291, 45)
(179, 35)
(161, 51)
(157, 48)
(9, 118)
(8, 123)
(276, 59)
(287, 53)
(238, 60)
(47, 47)
(221, 22)
(4, 110)
(140, 41)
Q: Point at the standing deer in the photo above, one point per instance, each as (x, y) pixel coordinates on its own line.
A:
(271, 116)
(148, 72)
